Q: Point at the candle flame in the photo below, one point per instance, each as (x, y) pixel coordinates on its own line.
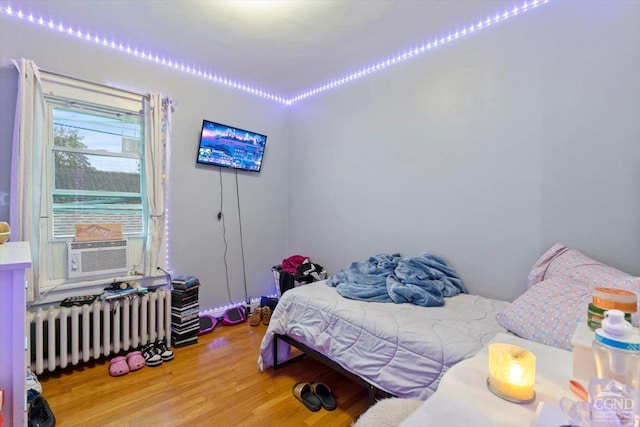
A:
(516, 374)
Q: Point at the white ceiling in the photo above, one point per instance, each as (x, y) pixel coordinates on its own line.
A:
(284, 47)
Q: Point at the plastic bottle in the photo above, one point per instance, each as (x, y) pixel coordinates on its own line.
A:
(616, 349)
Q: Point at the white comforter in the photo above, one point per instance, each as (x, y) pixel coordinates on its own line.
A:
(401, 348)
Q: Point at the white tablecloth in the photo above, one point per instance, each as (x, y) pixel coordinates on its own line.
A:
(462, 398)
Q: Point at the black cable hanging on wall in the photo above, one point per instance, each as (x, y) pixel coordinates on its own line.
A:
(224, 237)
(244, 270)
(220, 217)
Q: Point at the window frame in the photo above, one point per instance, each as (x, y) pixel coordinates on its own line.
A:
(51, 103)
(58, 88)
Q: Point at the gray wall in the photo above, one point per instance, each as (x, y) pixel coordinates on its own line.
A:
(196, 237)
(486, 151)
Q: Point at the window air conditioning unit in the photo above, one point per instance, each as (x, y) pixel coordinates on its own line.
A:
(96, 258)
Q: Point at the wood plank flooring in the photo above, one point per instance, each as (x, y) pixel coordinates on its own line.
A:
(213, 383)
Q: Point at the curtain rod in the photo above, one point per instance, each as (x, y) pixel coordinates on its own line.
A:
(144, 95)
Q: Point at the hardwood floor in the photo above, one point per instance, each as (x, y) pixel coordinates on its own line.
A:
(213, 383)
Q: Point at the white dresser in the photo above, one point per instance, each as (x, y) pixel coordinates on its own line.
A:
(15, 258)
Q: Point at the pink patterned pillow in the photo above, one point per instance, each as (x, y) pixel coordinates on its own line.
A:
(561, 262)
(559, 289)
(539, 270)
(548, 312)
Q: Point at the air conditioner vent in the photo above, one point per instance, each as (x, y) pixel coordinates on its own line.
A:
(96, 258)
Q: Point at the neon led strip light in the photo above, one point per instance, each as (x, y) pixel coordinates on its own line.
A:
(219, 79)
(437, 42)
(112, 44)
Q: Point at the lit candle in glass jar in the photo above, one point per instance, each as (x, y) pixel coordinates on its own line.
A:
(512, 372)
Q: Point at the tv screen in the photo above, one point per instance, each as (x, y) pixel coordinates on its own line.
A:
(222, 145)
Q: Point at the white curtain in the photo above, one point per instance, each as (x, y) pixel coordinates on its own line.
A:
(27, 166)
(158, 112)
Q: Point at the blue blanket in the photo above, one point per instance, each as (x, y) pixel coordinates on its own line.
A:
(423, 280)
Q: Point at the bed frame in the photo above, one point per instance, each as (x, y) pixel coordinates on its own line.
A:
(374, 392)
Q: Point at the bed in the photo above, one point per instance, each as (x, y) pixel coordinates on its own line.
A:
(543, 319)
(397, 350)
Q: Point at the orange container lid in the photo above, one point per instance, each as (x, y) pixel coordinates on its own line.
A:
(615, 299)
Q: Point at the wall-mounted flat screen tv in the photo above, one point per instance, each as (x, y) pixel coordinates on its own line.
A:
(227, 146)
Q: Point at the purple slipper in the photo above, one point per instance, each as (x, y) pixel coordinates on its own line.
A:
(118, 366)
(135, 360)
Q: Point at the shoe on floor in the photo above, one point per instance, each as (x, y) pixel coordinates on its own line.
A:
(323, 393)
(302, 392)
(151, 356)
(32, 385)
(163, 351)
(256, 316)
(135, 360)
(40, 413)
(118, 366)
(266, 315)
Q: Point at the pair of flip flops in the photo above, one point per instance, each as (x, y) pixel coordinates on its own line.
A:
(315, 396)
(122, 365)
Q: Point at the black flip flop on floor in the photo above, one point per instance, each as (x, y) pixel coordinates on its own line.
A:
(302, 392)
(323, 393)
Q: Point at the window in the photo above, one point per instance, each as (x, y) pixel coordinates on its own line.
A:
(94, 171)
(97, 166)
(86, 153)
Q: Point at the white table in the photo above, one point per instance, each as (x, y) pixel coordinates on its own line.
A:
(463, 399)
(15, 258)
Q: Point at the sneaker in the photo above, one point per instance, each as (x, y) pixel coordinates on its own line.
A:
(163, 351)
(40, 414)
(256, 316)
(266, 315)
(32, 385)
(151, 355)
(31, 382)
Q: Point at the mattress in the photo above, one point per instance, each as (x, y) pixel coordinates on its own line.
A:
(403, 349)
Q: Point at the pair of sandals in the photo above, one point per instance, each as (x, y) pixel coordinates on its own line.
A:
(122, 365)
(315, 396)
